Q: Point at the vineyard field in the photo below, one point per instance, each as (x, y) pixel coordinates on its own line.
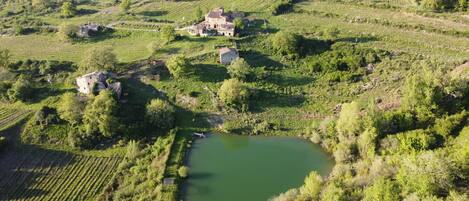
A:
(32, 173)
(10, 116)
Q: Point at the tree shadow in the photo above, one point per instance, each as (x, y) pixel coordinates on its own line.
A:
(311, 46)
(196, 39)
(169, 50)
(289, 81)
(155, 13)
(256, 26)
(84, 11)
(211, 72)
(19, 164)
(256, 58)
(363, 39)
(264, 99)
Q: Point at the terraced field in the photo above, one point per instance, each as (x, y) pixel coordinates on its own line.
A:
(32, 173)
(10, 116)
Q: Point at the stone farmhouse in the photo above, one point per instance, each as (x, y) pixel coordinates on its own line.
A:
(217, 22)
(228, 55)
(90, 82)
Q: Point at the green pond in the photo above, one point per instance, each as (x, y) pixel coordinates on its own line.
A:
(250, 168)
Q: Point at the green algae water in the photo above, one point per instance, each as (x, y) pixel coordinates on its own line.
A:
(250, 168)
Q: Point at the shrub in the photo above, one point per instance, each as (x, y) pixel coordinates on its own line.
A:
(415, 140)
(68, 9)
(383, 190)
(312, 185)
(67, 32)
(280, 6)
(183, 171)
(179, 66)
(70, 108)
(239, 69)
(349, 124)
(449, 125)
(234, 94)
(21, 90)
(132, 150)
(286, 43)
(159, 114)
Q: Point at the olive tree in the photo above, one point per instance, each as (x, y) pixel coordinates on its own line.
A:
(234, 94)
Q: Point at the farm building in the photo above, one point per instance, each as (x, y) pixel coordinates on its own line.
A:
(217, 22)
(90, 82)
(228, 55)
(87, 29)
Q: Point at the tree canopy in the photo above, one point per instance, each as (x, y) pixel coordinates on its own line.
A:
(239, 69)
(99, 115)
(160, 114)
(179, 66)
(70, 108)
(98, 59)
(234, 94)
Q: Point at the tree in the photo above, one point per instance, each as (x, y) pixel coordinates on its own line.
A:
(286, 43)
(179, 66)
(425, 174)
(199, 14)
(67, 32)
(5, 57)
(99, 115)
(348, 124)
(167, 34)
(367, 142)
(234, 94)
(422, 92)
(125, 5)
(68, 9)
(334, 192)
(183, 171)
(133, 149)
(22, 89)
(160, 114)
(290, 195)
(70, 108)
(239, 69)
(98, 59)
(382, 190)
(312, 186)
(239, 23)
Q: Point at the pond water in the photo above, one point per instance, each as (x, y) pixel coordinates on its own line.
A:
(250, 168)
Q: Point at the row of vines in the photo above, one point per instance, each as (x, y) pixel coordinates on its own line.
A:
(50, 175)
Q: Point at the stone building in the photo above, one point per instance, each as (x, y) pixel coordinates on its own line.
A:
(217, 22)
(228, 55)
(96, 82)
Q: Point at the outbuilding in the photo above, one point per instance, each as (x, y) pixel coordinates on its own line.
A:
(228, 55)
